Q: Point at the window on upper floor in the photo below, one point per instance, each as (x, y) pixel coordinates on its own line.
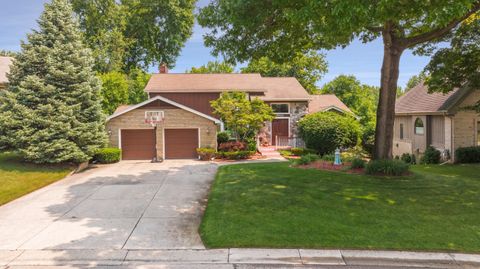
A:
(419, 127)
(281, 108)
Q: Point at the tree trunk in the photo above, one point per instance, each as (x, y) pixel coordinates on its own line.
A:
(388, 92)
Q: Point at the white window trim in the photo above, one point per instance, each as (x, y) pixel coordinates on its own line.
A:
(288, 105)
(174, 128)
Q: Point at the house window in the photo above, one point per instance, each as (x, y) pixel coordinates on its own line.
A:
(281, 108)
(419, 127)
(401, 130)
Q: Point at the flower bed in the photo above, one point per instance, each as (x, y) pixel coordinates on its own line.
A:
(327, 165)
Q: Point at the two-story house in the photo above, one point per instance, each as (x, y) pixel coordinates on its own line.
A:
(183, 100)
(5, 63)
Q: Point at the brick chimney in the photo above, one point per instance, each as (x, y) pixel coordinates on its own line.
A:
(163, 68)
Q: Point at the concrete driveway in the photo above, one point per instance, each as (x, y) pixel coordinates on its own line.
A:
(129, 205)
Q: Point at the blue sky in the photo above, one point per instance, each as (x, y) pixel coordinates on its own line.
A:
(18, 17)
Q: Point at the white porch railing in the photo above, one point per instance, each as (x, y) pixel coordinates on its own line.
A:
(289, 142)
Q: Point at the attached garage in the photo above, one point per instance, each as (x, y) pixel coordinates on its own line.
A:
(178, 135)
(181, 143)
(138, 144)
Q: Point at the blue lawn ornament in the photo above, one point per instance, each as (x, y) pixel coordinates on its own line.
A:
(338, 160)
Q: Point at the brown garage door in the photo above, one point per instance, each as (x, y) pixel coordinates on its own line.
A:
(138, 144)
(181, 143)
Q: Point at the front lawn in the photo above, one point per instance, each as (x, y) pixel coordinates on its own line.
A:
(274, 205)
(18, 178)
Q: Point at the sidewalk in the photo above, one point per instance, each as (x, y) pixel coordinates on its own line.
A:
(234, 258)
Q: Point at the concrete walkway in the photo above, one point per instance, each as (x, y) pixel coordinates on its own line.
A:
(234, 258)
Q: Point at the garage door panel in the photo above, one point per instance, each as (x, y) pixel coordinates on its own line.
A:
(181, 143)
(138, 144)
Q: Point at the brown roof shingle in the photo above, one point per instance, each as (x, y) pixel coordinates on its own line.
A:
(204, 83)
(5, 63)
(283, 88)
(418, 100)
(323, 102)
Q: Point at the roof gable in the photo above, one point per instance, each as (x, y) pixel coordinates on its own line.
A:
(419, 101)
(125, 109)
(325, 102)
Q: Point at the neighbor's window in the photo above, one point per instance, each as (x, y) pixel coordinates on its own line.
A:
(401, 130)
(419, 128)
(281, 108)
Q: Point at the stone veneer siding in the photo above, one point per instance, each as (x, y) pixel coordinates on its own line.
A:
(465, 123)
(174, 118)
(297, 111)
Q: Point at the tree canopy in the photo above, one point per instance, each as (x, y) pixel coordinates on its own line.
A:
(214, 67)
(51, 111)
(244, 30)
(308, 68)
(414, 81)
(128, 34)
(458, 64)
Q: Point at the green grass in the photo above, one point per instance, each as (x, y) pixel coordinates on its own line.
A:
(18, 178)
(274, 205)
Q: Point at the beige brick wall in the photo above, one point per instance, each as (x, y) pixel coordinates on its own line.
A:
(465, 123)
(174, 118)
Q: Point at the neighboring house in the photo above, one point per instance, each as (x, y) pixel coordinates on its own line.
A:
(189, 122)
(327, 102)
(5, 63)
(443, 121)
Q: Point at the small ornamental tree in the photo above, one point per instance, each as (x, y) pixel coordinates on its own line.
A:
(51, 110)
(326, 131)
(243, 117)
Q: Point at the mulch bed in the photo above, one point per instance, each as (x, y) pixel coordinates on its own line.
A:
(325, 165)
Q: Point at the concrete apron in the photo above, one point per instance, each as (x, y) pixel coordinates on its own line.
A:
(235, 258)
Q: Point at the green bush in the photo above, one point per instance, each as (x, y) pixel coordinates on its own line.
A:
(431, 156)
(285, 153)
(222, 137)
(386, 167)
(206, 154)
(301, 151)
(328, 157)
(307, 159)
(252, 144)
(368, 138)
(357, 163)
(107, 155)
(326, 131)
(408, 158)
(236, 155)
(468, 155)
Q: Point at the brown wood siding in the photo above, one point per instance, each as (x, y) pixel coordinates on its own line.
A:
(197, 101)
(138, 144)
(279, 128)
(158, 105)
(181, 143)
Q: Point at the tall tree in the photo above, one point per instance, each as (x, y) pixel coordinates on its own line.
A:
(104, 24)
(114, 91)
(127, 34)
(212, 68)
(457, 65)
(414, 81)
(361, 99)
(242, 30)
(308, 68)
(137, 80)
(51, 110)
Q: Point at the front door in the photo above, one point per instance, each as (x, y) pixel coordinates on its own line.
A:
(279, 130)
